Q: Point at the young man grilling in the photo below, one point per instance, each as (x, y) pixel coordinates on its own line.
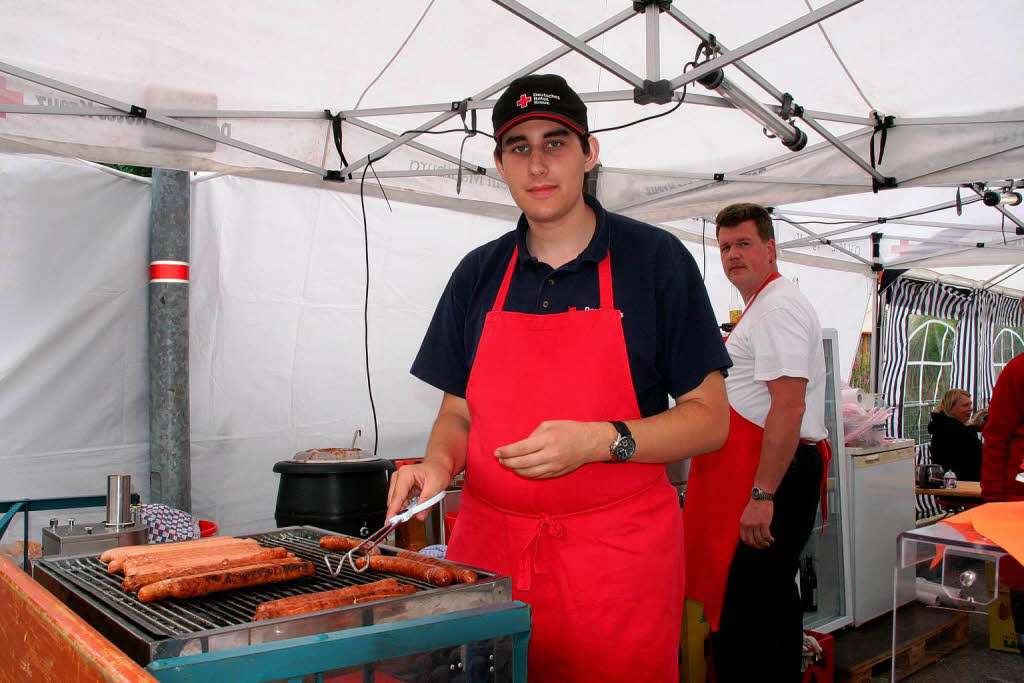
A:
(557, 346)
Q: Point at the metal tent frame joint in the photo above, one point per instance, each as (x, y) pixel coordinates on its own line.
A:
(642, 5)
(654, 92)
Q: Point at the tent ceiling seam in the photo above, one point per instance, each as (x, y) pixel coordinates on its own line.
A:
(853, 81)
(598, 30)
(395, 56)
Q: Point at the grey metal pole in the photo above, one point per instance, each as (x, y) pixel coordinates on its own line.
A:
(169, 444)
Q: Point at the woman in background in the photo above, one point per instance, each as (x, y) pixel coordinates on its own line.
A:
(955, 442)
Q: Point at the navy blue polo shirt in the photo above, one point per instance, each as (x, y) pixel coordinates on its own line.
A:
(672, 338)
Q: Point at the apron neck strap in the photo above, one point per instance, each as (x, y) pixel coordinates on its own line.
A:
(771, 278)
(604, 277)
(499, 301)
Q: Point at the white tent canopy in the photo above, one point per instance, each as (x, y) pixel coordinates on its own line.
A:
(277, 272)
(254, 80)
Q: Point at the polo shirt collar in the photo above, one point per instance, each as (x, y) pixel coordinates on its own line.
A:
(594, 252)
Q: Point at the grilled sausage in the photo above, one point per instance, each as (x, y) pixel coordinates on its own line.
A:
(314, 602)
(345, 543)
(404, 589)
(225, 579)
(134, 582)
(147, 563)
(406, 567)
(169, 549)
(125, 550)
(460, 574)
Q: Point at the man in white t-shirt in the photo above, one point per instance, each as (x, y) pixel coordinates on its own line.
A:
(751, 505)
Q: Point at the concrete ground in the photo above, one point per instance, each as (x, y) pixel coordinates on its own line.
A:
(973, 662)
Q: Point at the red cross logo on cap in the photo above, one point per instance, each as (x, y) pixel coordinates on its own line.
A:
(523, 101)
(9, 96)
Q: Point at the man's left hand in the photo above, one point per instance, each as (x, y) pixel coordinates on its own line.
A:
(557, 447)
(755, 523)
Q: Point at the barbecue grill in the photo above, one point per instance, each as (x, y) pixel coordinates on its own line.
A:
(220, 622)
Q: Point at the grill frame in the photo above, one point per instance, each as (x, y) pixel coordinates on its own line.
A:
(224, 620)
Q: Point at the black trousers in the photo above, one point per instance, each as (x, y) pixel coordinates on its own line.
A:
(760, 636)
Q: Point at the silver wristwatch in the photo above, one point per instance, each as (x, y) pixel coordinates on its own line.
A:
(758, 493)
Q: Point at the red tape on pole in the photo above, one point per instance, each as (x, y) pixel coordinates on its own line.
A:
(168, 271)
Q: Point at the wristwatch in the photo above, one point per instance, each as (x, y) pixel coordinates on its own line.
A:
(624, 446)
(758, 493)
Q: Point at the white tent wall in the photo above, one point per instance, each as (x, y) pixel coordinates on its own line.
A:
(73, 399)
(277, 355)
(276, 329)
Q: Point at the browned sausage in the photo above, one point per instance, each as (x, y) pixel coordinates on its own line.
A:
(173, 549)
(314, 602)
(345, 543)
(406, 567)
(134, 582)
(460, 574)
(148, 563)
(225, 579)
(404, 589)
(126, 550)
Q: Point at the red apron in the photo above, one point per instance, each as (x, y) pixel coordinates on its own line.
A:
(717, 491)
(596, 553)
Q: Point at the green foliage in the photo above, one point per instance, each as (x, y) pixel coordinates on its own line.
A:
(144, 171)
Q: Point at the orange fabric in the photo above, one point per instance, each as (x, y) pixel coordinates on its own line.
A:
(998, 523)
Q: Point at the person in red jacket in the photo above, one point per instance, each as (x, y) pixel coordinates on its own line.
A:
(1002, 459)
(1002, 454)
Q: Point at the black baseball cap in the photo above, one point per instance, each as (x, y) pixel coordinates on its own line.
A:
(539, 96)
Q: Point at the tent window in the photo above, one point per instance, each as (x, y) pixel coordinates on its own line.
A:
(1007, 344)
(929, 368)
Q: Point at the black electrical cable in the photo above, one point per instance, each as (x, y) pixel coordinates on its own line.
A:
(366, 295)
(438, 132)
(682, 98)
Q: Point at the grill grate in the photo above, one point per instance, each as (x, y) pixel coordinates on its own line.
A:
(219, 610)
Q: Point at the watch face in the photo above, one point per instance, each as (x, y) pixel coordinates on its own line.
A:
(625, 448)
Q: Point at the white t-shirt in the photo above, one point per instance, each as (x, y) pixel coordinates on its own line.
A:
(779, 336)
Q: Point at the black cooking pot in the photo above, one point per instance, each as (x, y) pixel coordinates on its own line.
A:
(349, 497)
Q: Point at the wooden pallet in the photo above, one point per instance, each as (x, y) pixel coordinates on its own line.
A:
(864, 655)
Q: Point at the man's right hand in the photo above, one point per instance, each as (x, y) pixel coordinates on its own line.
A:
(425, 480)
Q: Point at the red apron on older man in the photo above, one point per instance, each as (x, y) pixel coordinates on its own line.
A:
(597, 553)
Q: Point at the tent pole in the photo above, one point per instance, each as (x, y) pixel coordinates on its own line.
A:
(789, 156)
(170, 469)
(843, 250)
(876, 338)
(652, 16)
(598, 30)
(539, 22)
(473, 168)
(733, 56)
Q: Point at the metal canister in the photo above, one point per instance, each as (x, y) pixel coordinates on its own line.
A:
(119, 499)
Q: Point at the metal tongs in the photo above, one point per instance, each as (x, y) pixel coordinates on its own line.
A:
(375, 539)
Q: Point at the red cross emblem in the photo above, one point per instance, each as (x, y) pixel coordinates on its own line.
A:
(521, 102)
(9, 96)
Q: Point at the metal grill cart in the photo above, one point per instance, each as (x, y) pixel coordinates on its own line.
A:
(471, 632)
(941, 577)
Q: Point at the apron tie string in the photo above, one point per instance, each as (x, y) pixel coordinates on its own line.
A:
(824, 449)
(528, 558)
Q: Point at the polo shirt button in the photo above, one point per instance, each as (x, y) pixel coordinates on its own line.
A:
(545, 304)
(551, 283)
